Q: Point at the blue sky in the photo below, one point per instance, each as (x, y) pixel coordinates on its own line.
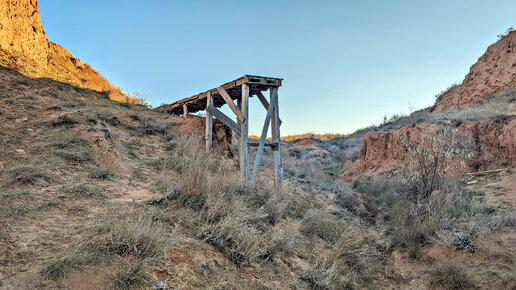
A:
(346, 64)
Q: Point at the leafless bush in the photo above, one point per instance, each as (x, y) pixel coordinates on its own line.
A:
(433, 156)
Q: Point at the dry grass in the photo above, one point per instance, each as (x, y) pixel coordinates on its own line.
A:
(450, 277)
(30, 172)
(82, 190)
(133, 275)
(318, 223)
(120, 232)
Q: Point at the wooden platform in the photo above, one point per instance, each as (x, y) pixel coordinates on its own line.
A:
(240, 90)
(257, 84)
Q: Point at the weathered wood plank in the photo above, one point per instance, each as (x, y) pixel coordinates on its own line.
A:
(244, 127)
(209, 124)
(276, 137)
(264, 102)
(224, 119)
(262, 141)
(185, 110)
(231, 104)
(269, 144)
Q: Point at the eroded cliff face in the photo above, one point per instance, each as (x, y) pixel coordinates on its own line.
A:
(494, 72)
(24, 46)
(493, 141)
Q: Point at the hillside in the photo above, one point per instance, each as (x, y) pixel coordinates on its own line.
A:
(483, 108)
(492, 74)
(24, 46)
(110, 195)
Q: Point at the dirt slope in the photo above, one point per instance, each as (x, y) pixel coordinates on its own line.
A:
(24, 46)
(493, 73)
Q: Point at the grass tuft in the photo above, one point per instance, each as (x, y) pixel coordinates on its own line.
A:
(134, 275)
(450, 277)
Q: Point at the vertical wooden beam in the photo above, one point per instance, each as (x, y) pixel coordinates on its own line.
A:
(276, 137)
(244, 126)
(185, 111)
(209, 124)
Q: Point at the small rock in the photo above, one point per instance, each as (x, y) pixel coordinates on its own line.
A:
(20, 151)
(160, 285)
(172, 194)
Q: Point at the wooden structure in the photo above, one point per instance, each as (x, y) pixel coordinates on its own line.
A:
(240, 90)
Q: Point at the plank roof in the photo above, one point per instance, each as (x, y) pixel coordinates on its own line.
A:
(234, 89)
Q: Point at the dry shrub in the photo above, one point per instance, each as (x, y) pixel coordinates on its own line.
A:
(134, 275)
(119, 232)
(324, 275)
(69, 146)
(84, 190)
(31, 172)
(285, 240)
(60, 265)
(326, 226)
(238, 237)
(151, 126)
(126, 234)
(237, 219)
(100, 173)
(450, 277)
(354, 263)
(433, 156)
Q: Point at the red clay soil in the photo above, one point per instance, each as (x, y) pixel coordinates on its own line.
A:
(24, 46)
(494, 142)
(494, 72)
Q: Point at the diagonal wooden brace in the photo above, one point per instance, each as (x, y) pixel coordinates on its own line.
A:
(264, 102)
(262, 141)
(231, 104)
(223, 118)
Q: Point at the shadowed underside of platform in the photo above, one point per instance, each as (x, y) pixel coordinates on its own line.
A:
(198, 102)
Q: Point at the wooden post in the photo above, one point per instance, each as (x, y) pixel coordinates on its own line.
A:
(185, 111)
(276, 137)
(263, 138)
(209, 124)
(244, 126)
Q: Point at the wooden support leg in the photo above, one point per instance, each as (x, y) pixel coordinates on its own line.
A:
(185, 110)
(276, 138)
(263, 137)
(209, 124)
(244, 126)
